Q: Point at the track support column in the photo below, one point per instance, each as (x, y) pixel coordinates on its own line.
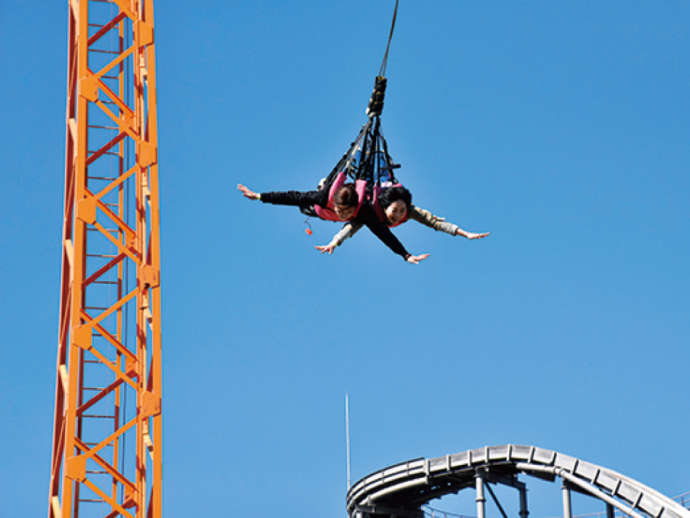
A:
(481, 501)
(524, 513)
(567, 507)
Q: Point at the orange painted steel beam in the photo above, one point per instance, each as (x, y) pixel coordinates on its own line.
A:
(107, 433)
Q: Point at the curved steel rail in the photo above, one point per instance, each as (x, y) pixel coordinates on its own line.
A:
(401, 489)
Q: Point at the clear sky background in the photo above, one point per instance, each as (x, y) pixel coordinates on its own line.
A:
(560, 127)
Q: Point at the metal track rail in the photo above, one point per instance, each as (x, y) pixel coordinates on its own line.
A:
(401, 489)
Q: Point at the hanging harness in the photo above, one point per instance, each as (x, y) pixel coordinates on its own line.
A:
(378, 209)
(328, 212)
(367, 161)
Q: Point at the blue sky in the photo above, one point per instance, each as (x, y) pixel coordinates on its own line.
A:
(560, 127)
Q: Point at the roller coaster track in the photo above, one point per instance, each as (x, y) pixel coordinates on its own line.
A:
(402, 489)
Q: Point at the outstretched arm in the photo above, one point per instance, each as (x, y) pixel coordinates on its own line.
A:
(425, 217)
(296, 198)
(348, 230)
(369, 218)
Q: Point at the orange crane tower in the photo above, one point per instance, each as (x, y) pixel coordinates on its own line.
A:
(107, 434)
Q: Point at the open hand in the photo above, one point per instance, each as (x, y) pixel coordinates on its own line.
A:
(470, 235)
(326, 248)
(247, 193)
(415, 259)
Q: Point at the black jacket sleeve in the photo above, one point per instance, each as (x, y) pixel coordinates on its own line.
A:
(296, 198)
(367, 216)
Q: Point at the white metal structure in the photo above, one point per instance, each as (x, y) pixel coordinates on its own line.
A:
(401, 490)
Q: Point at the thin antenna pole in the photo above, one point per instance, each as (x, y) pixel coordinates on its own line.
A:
(347, 435)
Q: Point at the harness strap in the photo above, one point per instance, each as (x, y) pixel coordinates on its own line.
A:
(384, 63)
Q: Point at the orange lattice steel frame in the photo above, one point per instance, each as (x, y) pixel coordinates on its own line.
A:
(107, 437)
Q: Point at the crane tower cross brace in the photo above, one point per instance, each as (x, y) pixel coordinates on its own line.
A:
(107, 433)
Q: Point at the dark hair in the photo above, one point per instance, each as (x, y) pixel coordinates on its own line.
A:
(347, 196)
(391, 194)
